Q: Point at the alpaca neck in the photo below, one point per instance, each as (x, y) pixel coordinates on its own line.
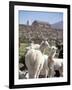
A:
(52, 54)
(42, 49)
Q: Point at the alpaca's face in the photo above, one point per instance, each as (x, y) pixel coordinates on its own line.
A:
(53, 51)
(46, 44)
(53, 48)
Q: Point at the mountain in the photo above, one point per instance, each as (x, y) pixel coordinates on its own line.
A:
(58, 25)
(39, 31)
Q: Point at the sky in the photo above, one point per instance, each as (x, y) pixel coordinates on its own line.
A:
(50, 17)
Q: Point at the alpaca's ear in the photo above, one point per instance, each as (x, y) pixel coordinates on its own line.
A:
(42, 42)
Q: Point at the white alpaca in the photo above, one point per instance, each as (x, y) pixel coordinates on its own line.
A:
(34, 60)
(55, 63)
(58, 65)
(49, 63)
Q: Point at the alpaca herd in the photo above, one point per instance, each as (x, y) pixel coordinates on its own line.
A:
(40, 64)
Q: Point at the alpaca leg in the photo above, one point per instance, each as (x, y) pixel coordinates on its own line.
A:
(61, 71)
(46, 72)
(51, 73)
(39, 70)
(36, 72)
(30, 76)
(30, 73)
(51, 70)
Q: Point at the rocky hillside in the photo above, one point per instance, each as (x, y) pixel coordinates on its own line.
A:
(38, 31)
(58, 25)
